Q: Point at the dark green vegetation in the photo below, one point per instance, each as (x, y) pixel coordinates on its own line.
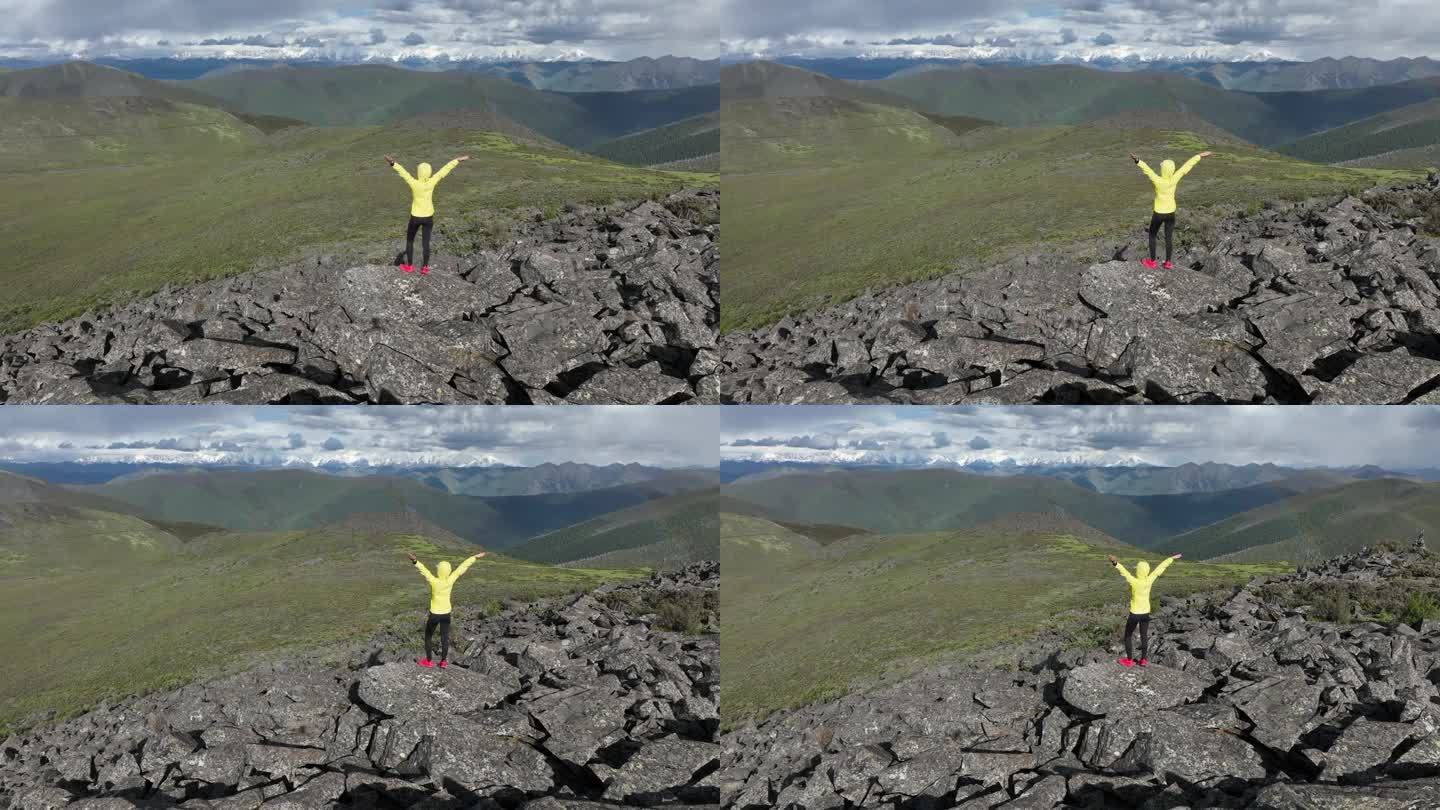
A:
(1321, 524)
(927, 500)
(118, 185)
(1401, 598)
(1207, 477)
(680, 611)
(833, 186)
(636, 74)
(806, 622)
(666, 533)
(1064, 94)
(360, 95)
(1408, 137)
(97, 604)
(693, 138)
(271, 500)
(536, 480)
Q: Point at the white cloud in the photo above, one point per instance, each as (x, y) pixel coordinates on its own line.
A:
(1397, 438)
(450, 436)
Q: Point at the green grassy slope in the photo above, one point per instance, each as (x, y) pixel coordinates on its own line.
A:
(299, 499)
(683, 140)
(1416, 127)
(826, 197)
(806, 624)
(97, 132)
(201, 215)
(664, 533)
(935, 500)
(86, 80)
(1321, 524)
(105, 626)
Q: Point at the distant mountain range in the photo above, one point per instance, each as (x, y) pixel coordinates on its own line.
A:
(1265, 75)
(539, 479)
(1116, 479)
(644, 73)
(1250, 513)
(657, 518)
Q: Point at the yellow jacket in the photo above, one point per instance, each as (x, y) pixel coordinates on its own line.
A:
(441, 582)
(1166, 181)
(422, 188)
(1141, 581)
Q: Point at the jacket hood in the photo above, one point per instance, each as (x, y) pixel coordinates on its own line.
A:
(443, 569)
(1142, 568)
(424, 170)
(1167, 168)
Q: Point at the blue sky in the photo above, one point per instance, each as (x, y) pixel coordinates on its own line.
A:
(449, 436)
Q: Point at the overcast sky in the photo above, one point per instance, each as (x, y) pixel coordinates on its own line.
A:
(1307, 437)
(449, 436)
(623, 29)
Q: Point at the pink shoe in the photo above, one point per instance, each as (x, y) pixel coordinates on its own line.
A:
(425, 271)
(1127, 662)
(443, 664)
(1144, 662)
(407, 268)
(1168, 266)
(425, 662)
(1150, 263)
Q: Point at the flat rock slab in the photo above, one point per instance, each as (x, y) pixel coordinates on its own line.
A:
(1105, 689)
(410, 691)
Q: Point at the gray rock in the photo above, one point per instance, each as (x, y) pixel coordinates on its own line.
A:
(1102, 689)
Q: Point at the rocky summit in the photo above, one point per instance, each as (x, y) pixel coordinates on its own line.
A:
(568, 703)
(1321, 302)
(613, 304)
(1250, 700)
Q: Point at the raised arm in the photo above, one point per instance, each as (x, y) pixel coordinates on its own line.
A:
(1160, 569)
(1190, 164)
(1120, 567)
(449, 167)
(400, 170)
(424, 572)
(465, 566)
(1150, 173)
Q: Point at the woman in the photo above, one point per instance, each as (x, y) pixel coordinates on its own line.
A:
(1165, 183)
(440, 584)
(422, 208)
(1140, 584)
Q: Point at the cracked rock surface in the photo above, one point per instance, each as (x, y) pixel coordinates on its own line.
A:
(600, 305)
(565, 703)
(1327, 301)
(1246, 704)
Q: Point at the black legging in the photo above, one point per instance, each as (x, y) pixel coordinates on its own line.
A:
(428, 225)
(443, 621)
(1169, 222)
(1143, 621)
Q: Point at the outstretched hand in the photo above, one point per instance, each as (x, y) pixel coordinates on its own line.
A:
(1176, 556)
(1111, 558)
(478, 556)
(1132, 157)
(1206, 154)
(411, 556)
(462, 158)
(390, 160)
